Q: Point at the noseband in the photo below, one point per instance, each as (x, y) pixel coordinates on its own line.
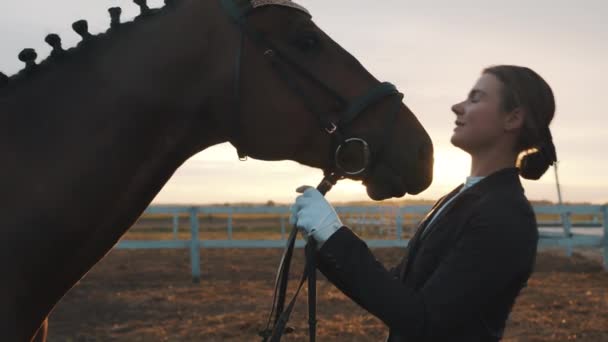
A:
(282, 62)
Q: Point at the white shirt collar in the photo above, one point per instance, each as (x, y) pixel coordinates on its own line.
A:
(470, 181)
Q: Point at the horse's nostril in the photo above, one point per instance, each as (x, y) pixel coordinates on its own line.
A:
(425, 152)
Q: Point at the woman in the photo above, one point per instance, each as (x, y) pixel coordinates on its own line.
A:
(475, 250)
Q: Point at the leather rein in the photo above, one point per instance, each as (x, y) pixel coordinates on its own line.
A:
(239, 10)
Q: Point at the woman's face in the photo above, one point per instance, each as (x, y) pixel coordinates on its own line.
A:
(480, 122)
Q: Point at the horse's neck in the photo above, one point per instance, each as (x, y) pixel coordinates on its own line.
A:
(90, 142)
(93, 124)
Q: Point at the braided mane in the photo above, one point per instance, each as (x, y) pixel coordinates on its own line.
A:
(81, 27)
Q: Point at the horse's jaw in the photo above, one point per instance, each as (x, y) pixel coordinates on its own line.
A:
(385, 182)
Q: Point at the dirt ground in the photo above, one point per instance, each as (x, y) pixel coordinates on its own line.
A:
(147, 295)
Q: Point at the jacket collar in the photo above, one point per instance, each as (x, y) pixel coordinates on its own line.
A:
(507, 177)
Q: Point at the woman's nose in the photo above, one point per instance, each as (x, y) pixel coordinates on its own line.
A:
(457, 108)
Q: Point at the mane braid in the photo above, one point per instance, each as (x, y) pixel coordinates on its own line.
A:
(28, 56)
(59, 55)
(55, 42)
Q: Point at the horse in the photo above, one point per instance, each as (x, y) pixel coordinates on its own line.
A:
(91, 134)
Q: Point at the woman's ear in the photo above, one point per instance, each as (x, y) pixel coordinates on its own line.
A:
(514, 120)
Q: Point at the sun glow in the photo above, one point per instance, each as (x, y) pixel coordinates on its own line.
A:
(451, 168)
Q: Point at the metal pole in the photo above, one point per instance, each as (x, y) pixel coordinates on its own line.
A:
(195, 246)
(559, 191)
(605, 237)
(564, 215)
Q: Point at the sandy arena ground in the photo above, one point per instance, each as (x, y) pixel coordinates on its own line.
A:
(149, 296)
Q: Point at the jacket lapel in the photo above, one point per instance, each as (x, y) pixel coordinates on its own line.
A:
(425, 221)
(430, 229)
(414, 242)
(506, 177)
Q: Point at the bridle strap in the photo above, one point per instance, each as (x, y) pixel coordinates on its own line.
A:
(275, 333)
(311, 266)
(277, 55)
(360, 104)
(238, 10)
(281, 317)
(237, 98)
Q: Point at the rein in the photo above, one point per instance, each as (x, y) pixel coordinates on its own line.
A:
(281, 61)
(274, 333)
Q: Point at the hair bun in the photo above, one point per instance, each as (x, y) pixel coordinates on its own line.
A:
(533, 165)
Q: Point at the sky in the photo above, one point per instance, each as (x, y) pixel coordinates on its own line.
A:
(433, 51)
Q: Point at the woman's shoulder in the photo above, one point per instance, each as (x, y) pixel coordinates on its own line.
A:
(510, 208)
(501, 190)
(506, 201)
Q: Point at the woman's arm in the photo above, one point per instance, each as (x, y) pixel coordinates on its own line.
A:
(497, 248)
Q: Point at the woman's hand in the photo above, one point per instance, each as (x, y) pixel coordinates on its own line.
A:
(313, 215)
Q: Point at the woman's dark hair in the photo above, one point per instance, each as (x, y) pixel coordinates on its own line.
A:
(524, 88)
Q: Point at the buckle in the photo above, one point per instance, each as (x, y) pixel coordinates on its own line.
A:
(332, 129)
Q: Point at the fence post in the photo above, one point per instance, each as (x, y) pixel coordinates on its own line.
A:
(175, 225)
(282, 227)
(399, 223)
(230, 225)
(605, 237)
(567, 225)
(195, 246)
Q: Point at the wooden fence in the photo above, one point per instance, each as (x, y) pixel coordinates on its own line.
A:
(565, 226)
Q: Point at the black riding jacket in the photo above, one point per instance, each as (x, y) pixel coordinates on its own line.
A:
(458, 282)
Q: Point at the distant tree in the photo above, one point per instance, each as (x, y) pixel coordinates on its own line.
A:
(270, 203)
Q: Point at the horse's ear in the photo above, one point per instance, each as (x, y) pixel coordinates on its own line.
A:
(143, 7)
(28, 56)
(3, 80)
(82, 28)
(55, 42)
(115, 13)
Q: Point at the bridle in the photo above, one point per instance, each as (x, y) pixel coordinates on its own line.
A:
(238, 10)
(281, 60)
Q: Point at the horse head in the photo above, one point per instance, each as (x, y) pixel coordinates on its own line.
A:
(298, 95)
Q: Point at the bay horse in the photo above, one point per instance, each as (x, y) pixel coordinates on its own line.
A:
(90, 135)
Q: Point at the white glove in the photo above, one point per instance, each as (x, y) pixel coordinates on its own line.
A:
(314, 216)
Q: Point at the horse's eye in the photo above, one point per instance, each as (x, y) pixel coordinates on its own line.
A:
(307, 42)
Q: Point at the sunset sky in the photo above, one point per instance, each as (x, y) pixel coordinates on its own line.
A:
(433, 51)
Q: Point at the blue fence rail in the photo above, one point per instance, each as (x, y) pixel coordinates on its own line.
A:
(564, 233)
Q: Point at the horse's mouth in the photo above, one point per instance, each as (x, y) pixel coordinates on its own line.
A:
(380, 191)
(384, 182)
